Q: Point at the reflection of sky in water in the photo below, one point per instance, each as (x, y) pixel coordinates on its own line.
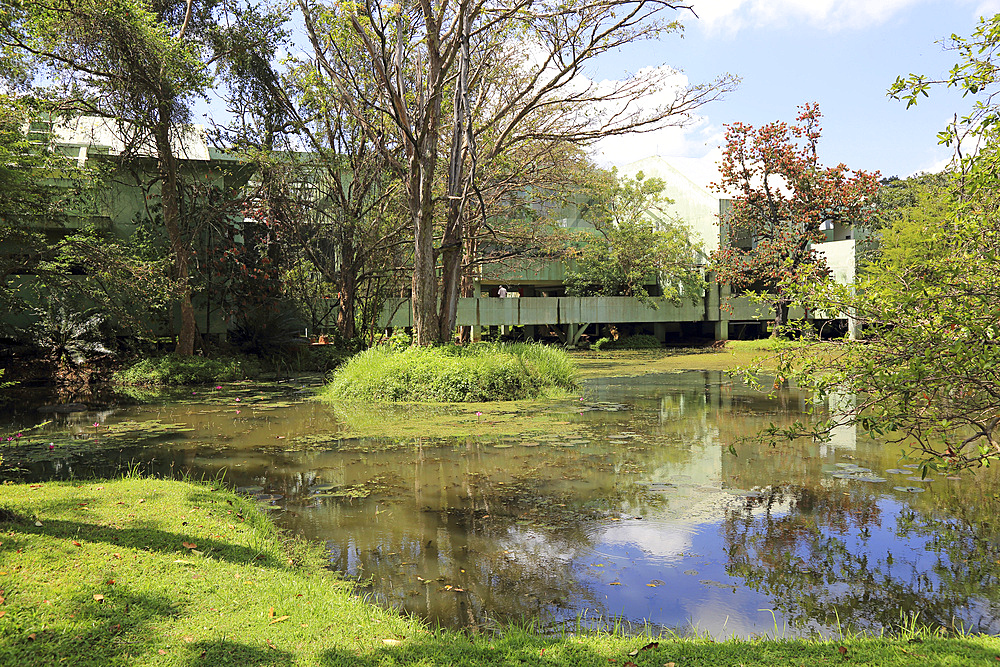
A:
(809, 546)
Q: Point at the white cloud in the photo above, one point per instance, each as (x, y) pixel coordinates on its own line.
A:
(694, 138)
(733, 15)
(729, 16)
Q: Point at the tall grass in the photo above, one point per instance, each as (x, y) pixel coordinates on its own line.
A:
(477, 373)
(173, 369)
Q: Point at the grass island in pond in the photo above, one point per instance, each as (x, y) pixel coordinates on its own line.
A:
(480, 372)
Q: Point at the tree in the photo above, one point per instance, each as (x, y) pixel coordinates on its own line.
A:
(782, 198)
(140, 65)
(638, 242)
(511, 71)
(927, 377)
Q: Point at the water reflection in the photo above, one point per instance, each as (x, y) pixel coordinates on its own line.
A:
(637, 511)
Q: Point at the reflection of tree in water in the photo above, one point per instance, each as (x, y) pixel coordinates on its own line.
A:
(504, 553)
(812, 551)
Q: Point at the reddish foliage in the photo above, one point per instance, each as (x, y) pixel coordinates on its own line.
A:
(782, 197)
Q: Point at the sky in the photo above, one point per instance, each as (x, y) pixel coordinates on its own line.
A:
(842, 54)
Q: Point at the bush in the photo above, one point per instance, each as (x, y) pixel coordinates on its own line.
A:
(480, 372)
(174, 369)
(637, 342)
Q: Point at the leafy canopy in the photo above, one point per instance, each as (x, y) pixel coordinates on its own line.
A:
(637, 243)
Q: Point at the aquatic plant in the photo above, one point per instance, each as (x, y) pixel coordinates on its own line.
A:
(174, 369)
(636, 342)
(480, 372)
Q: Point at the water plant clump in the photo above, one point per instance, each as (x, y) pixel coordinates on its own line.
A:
(173, 369)
(476, 373)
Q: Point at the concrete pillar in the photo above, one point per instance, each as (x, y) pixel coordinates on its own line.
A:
(722, 330)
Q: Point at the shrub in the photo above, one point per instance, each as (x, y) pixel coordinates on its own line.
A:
(637, 342)
(174, 369)
(480, 372)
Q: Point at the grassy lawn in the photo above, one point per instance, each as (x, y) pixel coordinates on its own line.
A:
(623, 363)
(151, 572)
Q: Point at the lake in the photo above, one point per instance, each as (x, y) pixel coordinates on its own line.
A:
(625, 506)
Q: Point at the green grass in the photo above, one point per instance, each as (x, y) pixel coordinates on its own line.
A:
(476, 373)
(636, 342)
(173, 369)
(107, 579)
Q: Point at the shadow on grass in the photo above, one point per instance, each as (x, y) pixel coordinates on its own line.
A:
(96, 634)
(151, 539)
(225, 652)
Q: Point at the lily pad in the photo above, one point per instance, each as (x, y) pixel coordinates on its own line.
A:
(322, 487)
(744, 493)
(868, 477)
(909, 489)
(899, 471)
(919, 479)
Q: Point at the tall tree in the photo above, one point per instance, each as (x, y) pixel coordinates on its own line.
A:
(512, 72)
(140, 64)
(782, 197)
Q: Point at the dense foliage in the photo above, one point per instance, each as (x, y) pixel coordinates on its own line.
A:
(634, 342)
(928, 375)
(174, 369)
(638, 244)
(475, 373)
(782, 198)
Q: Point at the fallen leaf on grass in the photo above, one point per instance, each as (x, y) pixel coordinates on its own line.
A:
(648, 646)
(270, 612)
(162, 652)
(278, 620)
(2, 614)
(98, 598)
(189, 545)
(670, 664)
(31, 637)
(391, 642)
(842, 650)
(76, 544)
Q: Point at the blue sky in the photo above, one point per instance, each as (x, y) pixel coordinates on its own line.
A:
(843, 54)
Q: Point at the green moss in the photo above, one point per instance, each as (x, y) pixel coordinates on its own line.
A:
(173, 369)
(477, 373)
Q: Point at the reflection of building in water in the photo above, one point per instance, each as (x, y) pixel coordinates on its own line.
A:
(843, 438)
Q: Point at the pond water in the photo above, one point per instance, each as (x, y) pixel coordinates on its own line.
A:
(633, 508)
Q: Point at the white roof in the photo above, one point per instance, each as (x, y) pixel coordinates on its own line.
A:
(190, 142)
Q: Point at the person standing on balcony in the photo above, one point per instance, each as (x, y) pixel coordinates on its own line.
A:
(502, 292)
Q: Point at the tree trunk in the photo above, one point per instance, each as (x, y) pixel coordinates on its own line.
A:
(424, 285)
(468, 288)
(452, 243)
(348, 293)
(179, 246)
(780, 315)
